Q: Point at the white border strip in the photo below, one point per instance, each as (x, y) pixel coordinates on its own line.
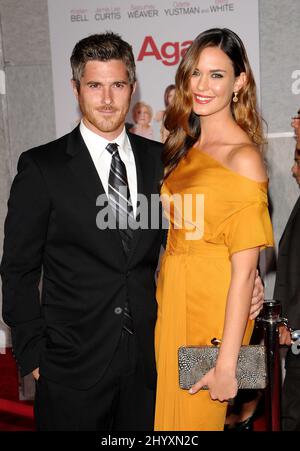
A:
(281, 135)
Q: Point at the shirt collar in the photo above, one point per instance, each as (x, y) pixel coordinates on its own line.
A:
(93, 140)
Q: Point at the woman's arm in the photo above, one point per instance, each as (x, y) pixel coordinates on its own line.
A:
(243, 270)
(221, 380)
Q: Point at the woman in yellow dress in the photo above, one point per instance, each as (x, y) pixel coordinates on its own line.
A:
(215, 194)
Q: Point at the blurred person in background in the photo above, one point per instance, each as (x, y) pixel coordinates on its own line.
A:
(142, 115)
(287, 291)
(160, 115)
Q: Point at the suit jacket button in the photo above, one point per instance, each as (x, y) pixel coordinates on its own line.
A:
(118, 310)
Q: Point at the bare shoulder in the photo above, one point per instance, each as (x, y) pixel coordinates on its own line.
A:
(247, 160)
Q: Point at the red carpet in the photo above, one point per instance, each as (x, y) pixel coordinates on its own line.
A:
(9, 380)
(22, 409)
(15, 415)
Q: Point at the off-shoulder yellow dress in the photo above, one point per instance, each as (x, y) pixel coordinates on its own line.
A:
(195, 273)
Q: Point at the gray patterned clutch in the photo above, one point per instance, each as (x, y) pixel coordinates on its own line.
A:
(196, 361)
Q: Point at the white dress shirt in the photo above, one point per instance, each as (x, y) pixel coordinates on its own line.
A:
(102, 158)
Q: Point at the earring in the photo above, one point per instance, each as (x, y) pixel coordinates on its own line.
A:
(235, 98)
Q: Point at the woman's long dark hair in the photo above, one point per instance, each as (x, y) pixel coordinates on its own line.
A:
(184, 125)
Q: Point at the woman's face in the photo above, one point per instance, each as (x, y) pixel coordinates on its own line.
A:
(213, 82)
(170, 97)
(142, 115)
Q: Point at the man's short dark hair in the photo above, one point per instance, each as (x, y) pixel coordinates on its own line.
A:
(102, 47)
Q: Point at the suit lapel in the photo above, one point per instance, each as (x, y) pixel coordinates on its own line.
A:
(145, 178)
(83, 169)
(82, 166)
(290, 222)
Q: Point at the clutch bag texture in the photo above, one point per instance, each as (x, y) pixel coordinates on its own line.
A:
(196, 361)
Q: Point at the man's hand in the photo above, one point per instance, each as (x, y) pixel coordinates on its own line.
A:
(36, 374)
(284, 336)
(258, 297)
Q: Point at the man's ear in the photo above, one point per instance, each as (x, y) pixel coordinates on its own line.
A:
(74, 88)
(240, 82)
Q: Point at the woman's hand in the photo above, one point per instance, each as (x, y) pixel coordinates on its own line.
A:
(222, 384)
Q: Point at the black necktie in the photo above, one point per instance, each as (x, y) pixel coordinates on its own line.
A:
(120, 202)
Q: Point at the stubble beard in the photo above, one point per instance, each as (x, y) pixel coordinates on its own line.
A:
(106, 124)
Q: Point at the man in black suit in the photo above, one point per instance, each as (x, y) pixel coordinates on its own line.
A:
(88, 338)
(287, 291)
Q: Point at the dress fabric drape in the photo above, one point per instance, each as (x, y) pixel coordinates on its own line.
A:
(221, 212)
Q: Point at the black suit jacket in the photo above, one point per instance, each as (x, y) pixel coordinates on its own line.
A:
(287, 285)
(72, 328)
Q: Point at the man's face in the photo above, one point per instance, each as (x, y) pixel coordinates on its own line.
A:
(296, 167)
(104, 97)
